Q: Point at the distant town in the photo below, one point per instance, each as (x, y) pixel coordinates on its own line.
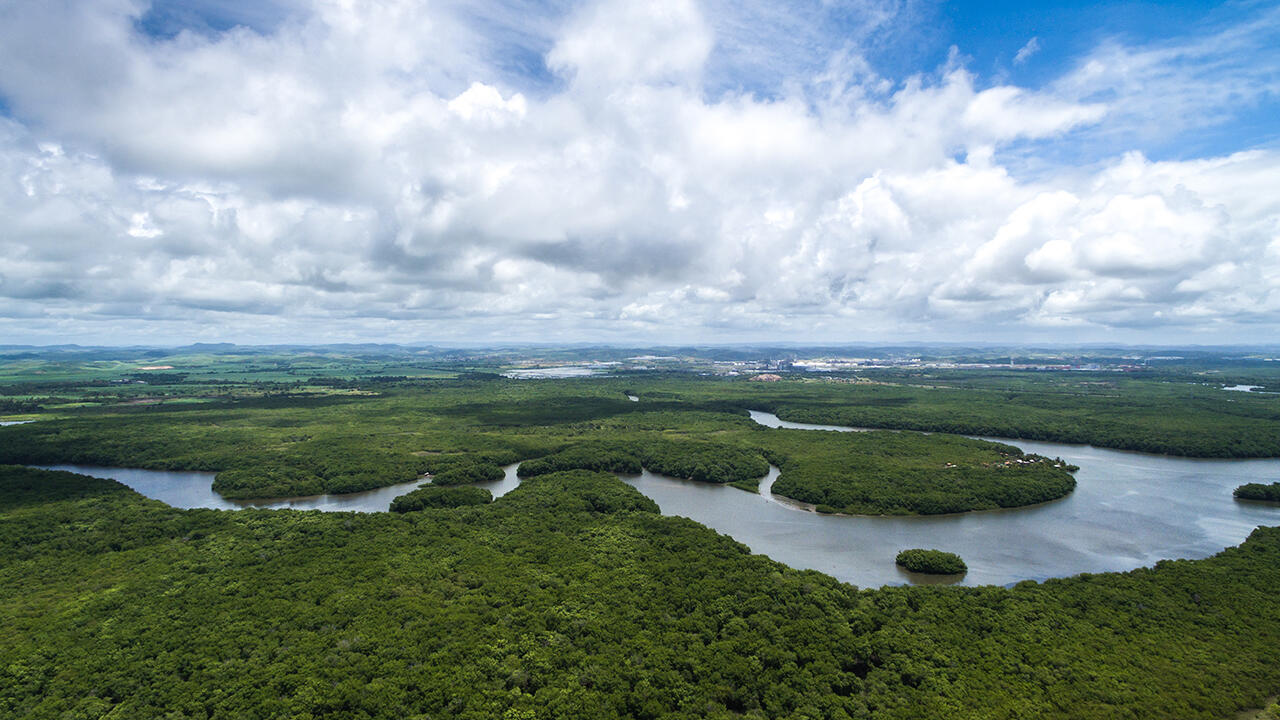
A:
(835, 364)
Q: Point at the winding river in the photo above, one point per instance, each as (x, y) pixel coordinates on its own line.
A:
(187, 489)
(1128, 510)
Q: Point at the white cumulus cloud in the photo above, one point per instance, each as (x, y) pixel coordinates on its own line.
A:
(366, 170)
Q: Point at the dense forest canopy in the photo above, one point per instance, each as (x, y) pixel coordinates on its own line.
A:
(572, 598)
(1259, 491)
(1188, 419)
(463, 431)
(932, 562)
(440, 497)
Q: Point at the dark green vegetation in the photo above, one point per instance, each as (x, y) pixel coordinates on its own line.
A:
(932, 562)
(586, 456)
(1124, 413)
(904, 473)
(1163, 401)
(269, 480)
(463, 430)
(465, 470)
(1258, 491)
(571, 598)
(692, 460)
(440, 497)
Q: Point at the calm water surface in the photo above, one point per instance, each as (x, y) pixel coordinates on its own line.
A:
(185, 489)
(773, 421)
(1128, 510)
(560, 371)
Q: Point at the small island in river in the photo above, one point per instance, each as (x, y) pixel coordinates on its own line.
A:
(1258, 491)
(931, 562)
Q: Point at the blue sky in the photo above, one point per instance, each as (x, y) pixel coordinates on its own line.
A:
(311, 170)
(760, 54)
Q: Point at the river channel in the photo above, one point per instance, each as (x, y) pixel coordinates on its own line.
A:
(1128, 510)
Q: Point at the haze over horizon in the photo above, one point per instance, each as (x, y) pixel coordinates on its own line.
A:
(668, 172)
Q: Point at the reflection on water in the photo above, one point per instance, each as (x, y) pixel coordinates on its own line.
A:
(1128, 510)
(501, 487)
(185, 489)
(560, 371)
(773, 421)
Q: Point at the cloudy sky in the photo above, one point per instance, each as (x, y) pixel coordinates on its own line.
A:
(659, 171)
